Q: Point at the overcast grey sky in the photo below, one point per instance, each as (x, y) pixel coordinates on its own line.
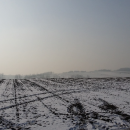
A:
(38, 36)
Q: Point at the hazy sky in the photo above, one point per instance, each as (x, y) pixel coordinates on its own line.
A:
(38, 36)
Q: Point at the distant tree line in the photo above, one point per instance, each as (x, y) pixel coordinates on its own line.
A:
(1, 76)
(43, 75)
(70, 74)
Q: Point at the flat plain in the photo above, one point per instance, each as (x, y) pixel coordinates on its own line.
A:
(41, 104)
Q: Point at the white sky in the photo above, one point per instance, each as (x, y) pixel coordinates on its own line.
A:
(37, 36)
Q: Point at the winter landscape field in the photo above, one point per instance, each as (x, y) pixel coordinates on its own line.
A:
(42, 104)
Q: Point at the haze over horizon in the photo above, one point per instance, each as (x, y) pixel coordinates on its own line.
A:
(38, 36)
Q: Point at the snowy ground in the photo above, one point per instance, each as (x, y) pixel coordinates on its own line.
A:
(41, 104)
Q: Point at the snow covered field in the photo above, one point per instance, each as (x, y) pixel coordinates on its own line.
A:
(41, 104)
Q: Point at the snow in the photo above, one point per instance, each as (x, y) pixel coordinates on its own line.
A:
(45, 102)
